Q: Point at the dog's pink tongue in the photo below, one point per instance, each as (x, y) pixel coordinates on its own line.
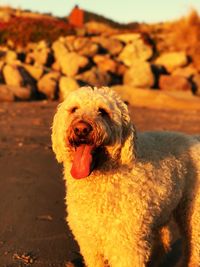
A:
(81, 165)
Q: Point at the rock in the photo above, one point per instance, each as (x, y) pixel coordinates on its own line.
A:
(84, 46)
(112, 46)
(186, 72)
(105, 63)
(139, 75)
(42, 45)
(48, 85)
(2, 64)
(196, 82)
(66, 85)
(127, 37)
(12, 75)
(70, 62)
(6, 94)
(35, 71)
(136, 51)
(121, 69)
(10, 44)
(56, 66)
(29, 82)
(174, 83)
(11, 93)
(158, 70)
(21, 93)
(41, 55)
(29, 58)
(30, 47)
(60, 52)
(11, 57)
(94, 77)
(172, 60)
(68, 42)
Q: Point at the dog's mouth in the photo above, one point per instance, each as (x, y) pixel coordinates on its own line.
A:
(84, 161)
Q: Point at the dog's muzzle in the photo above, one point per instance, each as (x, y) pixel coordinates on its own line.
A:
(82, 129)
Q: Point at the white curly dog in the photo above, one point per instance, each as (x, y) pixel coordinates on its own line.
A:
(123, 186)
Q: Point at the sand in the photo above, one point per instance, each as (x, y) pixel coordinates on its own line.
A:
(32, 213)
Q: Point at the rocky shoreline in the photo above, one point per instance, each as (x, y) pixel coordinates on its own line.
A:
(94, 57)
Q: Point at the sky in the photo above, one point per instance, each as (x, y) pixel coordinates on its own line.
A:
(122, 11)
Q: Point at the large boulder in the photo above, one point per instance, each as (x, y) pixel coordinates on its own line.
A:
(67, 85)
(84, 46)
(174, 83)
(21, 93)
(35, 71)
(59, 49)
(43, 57)
(11, 57)
(70, 62)
(186, 72)
(94, 77)
(12, 75)
(56, 66)
(48, 85)
(40, 55)
(29, 82)
(112, 46)
(11, 93)
(138, 50)
(139, 75)
(105, 63)
(127, 37)
(172, 60)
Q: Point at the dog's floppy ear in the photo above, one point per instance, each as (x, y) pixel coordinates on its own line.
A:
(128, 134)
(58, 134)
(128, 149)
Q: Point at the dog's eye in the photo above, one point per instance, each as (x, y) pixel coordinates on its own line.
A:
(74, 109)
(103, 112)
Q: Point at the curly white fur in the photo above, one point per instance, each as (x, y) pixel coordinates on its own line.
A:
(117, 211)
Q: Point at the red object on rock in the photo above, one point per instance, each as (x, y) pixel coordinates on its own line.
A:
(76, 17)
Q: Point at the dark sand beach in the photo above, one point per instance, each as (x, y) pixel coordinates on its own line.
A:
(33, 230)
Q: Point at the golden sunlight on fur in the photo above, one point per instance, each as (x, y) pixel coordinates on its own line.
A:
(123, 187)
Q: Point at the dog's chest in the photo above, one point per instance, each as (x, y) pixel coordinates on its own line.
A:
(104, 205)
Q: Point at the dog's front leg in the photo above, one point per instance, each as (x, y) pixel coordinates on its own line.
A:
(91, 255)
(128, 253)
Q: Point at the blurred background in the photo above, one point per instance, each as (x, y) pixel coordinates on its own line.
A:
(52, 48)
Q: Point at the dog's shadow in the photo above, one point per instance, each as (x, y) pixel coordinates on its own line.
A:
(174, 255)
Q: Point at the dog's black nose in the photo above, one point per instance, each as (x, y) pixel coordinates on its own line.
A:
(82, 129)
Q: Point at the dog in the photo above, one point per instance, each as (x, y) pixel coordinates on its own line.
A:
(123, 187)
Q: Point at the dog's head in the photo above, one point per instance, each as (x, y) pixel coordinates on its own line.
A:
(92, 129)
